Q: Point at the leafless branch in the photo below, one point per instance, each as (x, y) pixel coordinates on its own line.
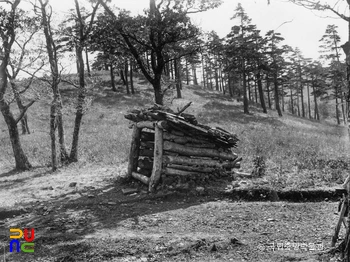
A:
(23, 112)
(69, 82)
(184, 108)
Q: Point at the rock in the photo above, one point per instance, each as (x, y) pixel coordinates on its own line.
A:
(273, 196)
(90, 196)
(143, 259)
(235, 241)
(112, 203)
(73, 184)
(200, 190)
(186, 186)
(213, 248)
(128, 191)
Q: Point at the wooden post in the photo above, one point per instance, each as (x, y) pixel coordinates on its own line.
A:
(134, 150)
(346, 251)
(340, 221)
(157, 158)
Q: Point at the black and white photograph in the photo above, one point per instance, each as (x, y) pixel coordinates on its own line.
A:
(174, 130)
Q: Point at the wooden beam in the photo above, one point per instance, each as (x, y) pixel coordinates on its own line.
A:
(190, 151)
(176, 172)
(183, 160)
(145, 124)
(157, 159)
(146, 152)
(140, 177)
(134, 150)
(194, 168)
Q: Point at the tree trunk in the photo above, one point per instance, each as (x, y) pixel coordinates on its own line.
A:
(343, 108)
(171, 70)
(346, 251)
(282, 93)
(187, 73)
(132, 75)
(177, 78)
(21, 107)
(73, 157)
(268, 91)
(194, 73)
(245, 99)
(261, 92)
(87, 62)
(122, 77)
(21, 160)
(291, 101)
(203, 72)
(61, 137)
(302, 96)
(298, 105)
(223, 87)
(53, 120)
(217, 80)
(76, 58)
(126, 69)
(317, 117)
(249, 91)
(308, 100)
(111, 71)
(277, 102)
(256, 91)
(337, 106)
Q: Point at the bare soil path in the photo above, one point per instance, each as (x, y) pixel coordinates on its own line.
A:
(81, 214)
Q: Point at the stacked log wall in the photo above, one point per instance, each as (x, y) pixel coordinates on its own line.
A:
(160, 152)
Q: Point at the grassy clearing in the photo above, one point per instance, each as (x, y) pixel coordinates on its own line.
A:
(297, 152)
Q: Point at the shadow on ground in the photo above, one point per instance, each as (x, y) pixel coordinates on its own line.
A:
(64, 221)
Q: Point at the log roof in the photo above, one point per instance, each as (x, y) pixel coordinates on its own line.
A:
(182, 122)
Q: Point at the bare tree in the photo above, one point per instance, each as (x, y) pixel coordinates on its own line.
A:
(56, 119)
(162, 27)
(10, 20)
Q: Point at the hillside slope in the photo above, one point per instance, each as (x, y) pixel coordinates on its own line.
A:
(292, 147)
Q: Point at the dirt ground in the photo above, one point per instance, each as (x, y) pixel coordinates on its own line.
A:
(92, 220)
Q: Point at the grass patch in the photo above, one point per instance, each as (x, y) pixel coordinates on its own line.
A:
(297, 152)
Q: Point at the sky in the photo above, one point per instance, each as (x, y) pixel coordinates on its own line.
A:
(304, 28)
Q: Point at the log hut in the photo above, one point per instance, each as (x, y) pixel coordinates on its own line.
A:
(165, 143)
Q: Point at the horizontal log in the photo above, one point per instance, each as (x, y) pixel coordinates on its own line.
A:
(203, 145)
(183, 139)
(145, 124)
(176, 172)
(193, 168)
(190, 151)
(241, 174)
(140, 177)
(182, 160)
(177, 133)
(146, 152)
(147, 144)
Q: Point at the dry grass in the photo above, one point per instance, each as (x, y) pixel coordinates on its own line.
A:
(297, 152)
